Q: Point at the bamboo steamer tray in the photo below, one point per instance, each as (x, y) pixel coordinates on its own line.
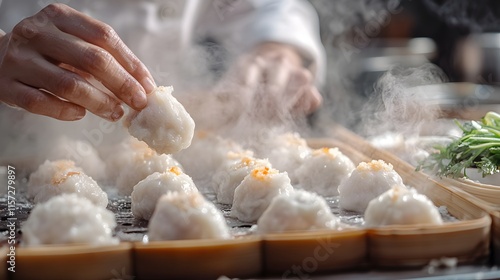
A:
(198, 259)
(486, 192)
(74, 262)
(468, 240)
(314, 251)
(3, 262)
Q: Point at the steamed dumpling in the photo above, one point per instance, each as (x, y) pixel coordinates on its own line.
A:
(301, 210)
(324, 170)
(66, 219)
(206, 154)
(227, 178)
(54, 178)
(147, 192)
(367, 181)
(401, 206)
(144, 163)
(164, 124)
(254, 194)
(186, 216)
(286, 152)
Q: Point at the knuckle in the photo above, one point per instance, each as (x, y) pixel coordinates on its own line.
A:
(107, 34)
(67, 85)
(125, 88)
(96, 60)
(30, 102)
(54, 9)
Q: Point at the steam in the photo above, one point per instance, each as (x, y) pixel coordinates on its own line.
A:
(397, 105)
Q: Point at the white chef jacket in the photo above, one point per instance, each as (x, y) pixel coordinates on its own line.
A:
(163, 33)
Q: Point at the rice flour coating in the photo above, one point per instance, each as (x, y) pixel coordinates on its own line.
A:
(147, 192)
(66, 219)
(186, 216)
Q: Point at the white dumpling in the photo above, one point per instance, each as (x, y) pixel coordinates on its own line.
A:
(228, 177)
(301, 210)
(367, 181)
(206, 153)
(401, 206)
(254, 194)
(147, 192)
(82, 153)
(69, 218)
(164, 124)
(286, 152)
(186, 216)
(324, 170)
(120, 155)
(54, 178)
(143, 164)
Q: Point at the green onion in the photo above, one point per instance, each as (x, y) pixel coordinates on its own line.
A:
(478, 147)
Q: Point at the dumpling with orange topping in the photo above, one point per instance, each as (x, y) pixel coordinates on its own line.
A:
(54, 178)
(401, 206)
(142, 164)
(229, 176)
(301, 210)
(323, 171)
(207, 152)
(254, 194)
(147, 192)
(186, 216)
(164, 124)
(367, 181)
(286, 152)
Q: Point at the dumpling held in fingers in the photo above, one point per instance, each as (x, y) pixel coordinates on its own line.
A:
(164, 124)
(147, 192)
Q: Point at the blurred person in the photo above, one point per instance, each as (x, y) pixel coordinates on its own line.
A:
(49, 57)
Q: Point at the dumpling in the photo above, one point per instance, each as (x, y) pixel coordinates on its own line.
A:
(120, 155)
(254, 194)
(324, 170)
(164, 124)
(286, 152)
(367, 181)
(54, 178)
(82, 153)
(227, 178)
(147, 192)
(301, 210)
(143, 164)
(186, 216)
(69, 218)
(207, 152)
(401, 206)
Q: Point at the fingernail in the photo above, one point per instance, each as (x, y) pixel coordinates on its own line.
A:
(77, 113)
(150, 85)
(117, 113)
(139, 100)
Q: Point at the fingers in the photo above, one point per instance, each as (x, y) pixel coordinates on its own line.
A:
(71, 87)
(100, 34)
(42, 103)
(70, 50)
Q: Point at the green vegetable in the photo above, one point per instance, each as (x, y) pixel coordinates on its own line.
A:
(479, 147)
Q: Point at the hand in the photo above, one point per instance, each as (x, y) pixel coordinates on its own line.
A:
(275, 80)
(46, 60)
